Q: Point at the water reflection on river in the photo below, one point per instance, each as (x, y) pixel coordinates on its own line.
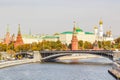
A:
(56, 71)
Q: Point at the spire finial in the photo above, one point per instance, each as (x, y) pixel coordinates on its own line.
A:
(74, 23)
(30, 31)
(74, 28)
(7, 27)
(19, 29)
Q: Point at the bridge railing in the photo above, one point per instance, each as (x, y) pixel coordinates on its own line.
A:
(79, 51)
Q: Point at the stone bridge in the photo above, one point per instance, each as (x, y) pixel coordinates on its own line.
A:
(50, 55)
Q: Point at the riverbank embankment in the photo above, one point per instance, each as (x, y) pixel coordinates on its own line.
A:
(115, 71)
(36, 58)
(15, 62)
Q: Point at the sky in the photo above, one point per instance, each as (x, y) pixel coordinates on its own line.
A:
(51, 16)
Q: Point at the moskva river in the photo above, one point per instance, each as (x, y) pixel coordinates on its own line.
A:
(57, 71)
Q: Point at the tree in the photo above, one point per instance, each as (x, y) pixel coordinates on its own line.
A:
(64, 47)
(26, 47)
(100, 44)
(18, 48)
(107, 45)
(69, 46)
(4, 47)
(10, 46)
(88, 45)
(58, 45)
(117, 40)
(34, 46)
(80, 44)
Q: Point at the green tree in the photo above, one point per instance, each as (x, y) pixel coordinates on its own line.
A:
(80, 44)
(58, 45)
(26, 47)
(10, 46)
(117, 40)
(18, 48)
(34, 46)
(87, 45)
(100, 44)
(107, 45)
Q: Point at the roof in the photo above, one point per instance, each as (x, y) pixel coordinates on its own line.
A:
(67, 32)
(28, 36)
(89, 33)
(78, 29)
(50, 37)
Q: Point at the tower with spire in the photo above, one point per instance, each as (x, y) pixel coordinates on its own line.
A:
(7, 36)
(101, 29)
(74, 41)
(19, 40)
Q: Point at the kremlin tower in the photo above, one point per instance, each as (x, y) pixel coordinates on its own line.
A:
(19, 40)
(7, 37)
(74, 41)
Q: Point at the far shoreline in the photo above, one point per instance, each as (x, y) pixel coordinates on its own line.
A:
(81, 56)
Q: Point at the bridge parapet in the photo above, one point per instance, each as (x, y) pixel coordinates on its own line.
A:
(116, 55)
(79, 51)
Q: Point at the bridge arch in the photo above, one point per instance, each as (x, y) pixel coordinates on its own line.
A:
(23, 55)
(47, 55)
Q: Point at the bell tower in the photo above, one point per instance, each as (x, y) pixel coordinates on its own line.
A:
(101, 29)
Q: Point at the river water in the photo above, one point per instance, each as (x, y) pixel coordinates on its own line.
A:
(58, 71)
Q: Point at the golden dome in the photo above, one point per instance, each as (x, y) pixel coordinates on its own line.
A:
(95, 27)
(101, 22)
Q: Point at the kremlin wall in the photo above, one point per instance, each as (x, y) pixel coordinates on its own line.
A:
(65, 37)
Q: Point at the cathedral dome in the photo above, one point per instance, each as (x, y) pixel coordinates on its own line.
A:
(101, 22)
(95, 27)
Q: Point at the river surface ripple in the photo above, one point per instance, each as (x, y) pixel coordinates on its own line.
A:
(56, 71)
